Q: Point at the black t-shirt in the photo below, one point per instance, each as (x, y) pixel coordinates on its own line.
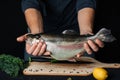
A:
(58, 15)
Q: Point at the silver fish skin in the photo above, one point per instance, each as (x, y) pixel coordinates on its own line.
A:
(64, 46)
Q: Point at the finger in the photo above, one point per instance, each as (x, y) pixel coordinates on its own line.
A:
(87, 48)
(99, 43)
(21, 38)
(43, 48)
(93, 45)
(37, 49)
(72, 60)
(46, 53)
(78, 55)
(32, 48)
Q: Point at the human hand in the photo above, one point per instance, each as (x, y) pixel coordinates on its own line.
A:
(37, 49)
(91, 46)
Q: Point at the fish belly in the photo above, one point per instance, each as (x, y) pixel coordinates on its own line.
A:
(64, 52)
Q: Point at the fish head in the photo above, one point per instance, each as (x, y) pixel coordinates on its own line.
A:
(33, 38)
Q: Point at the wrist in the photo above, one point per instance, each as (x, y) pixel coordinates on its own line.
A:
(35, 31)
(86, 32)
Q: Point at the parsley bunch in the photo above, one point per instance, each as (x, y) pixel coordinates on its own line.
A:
(11, 64)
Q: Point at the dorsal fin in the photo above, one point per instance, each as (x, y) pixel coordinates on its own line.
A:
(69, 32)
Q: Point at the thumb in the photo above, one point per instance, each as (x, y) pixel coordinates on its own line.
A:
(21, 38)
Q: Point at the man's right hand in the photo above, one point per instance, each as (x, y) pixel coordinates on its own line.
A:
(37, 49)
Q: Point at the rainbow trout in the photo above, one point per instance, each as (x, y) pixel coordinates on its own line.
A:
(65, 46)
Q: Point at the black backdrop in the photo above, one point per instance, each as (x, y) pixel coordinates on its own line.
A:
(13, 24)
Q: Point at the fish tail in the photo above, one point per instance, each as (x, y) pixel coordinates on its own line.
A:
(105, 35)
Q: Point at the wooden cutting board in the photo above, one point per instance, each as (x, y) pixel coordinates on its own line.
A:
(83, 67)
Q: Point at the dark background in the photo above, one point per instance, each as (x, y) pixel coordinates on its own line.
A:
(13, 24)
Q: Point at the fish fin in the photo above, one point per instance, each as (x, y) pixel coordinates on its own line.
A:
(69, 32)
(104, 35)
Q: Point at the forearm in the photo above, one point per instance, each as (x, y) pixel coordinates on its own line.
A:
(34, 20)
(86, 20)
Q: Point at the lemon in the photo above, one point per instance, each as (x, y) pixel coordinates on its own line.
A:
(100, 73)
